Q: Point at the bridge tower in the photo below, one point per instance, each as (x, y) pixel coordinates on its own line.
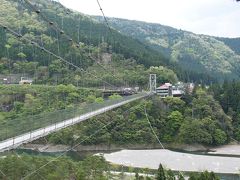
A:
(153, 83)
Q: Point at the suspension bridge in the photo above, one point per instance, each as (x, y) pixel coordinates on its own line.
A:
(46, 125)
(15, 132)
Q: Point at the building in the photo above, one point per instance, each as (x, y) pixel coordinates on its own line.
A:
(177, 92)
(168, 89)
(25, 81)
(164, 90)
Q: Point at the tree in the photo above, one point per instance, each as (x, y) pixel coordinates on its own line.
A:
(193, 132)
(163, 74)
(136, 176)
(219, 137)
(170, 175)
(175, 103)
(237, 134)
(91, 98)
(77, 78)
(95, 166)
(22, 55)
(7, 46)
(180, 176)
(175, 120)
(115, 96)
(161, 173)
(99, 100)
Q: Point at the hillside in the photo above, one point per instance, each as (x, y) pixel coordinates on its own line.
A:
(94, 40)
(218, 57)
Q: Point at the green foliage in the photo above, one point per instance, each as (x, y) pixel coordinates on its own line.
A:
(47, 97)
(194, 133)
(161, 173)
(94, 167)
(91, 98)
(174, 122)
(115, 96)
(174, 103)
(203, 176)
(99, 100)
(206, 122)
(7, 46)
(237, 133)
(229, 97)
(220, 137)
(17, 167)
(90, 50)
(163, 74)
(172, 119)
(197, 58)
(22, 55)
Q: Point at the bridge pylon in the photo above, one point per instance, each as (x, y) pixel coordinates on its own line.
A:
(153, 83)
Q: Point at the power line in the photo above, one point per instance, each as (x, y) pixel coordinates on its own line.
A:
(105, 19)
(75, 146)
(103, 14)
(154, 133)
(3, 173)
(54, 25)
(51, 53)
(69, 38)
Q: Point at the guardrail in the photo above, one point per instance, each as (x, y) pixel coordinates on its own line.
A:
(63, 119)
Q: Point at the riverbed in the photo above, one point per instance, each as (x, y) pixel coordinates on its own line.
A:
(174, 160)
(227, 150)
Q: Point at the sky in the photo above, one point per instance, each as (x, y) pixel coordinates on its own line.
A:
(210, 17)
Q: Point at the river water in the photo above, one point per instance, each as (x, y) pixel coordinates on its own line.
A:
(174, 160)
(220, 161)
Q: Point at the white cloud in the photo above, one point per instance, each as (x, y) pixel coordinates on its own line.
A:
(212, 17)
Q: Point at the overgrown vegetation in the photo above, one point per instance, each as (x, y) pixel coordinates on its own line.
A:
(229, 97)
(121, 61)
(195, 119)
(21, 101)
(17, 167)
(198, 58)
(167, 174)
(91, 168)
(96, 45)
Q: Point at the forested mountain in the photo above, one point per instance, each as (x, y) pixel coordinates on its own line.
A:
(94, 40)
(218, 57)
(233, 43)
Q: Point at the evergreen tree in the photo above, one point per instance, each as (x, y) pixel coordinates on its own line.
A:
(161, 173)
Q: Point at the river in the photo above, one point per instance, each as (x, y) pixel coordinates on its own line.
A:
(174, 160)
(225, 159)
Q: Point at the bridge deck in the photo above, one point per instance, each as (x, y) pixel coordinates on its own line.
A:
(26, 137)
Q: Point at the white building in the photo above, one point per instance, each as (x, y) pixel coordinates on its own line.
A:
(164, 90)
(168, 89)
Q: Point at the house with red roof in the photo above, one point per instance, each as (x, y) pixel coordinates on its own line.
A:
(164, 90)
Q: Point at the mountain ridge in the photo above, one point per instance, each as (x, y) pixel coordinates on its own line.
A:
(217, 56)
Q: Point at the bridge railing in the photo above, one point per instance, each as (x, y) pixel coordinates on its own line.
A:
(14, 127)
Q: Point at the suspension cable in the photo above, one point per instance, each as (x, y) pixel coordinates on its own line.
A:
(75, 146)
(105, 19)
(17, 35)
(154, 133)
(54, 25)
(150, 125)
